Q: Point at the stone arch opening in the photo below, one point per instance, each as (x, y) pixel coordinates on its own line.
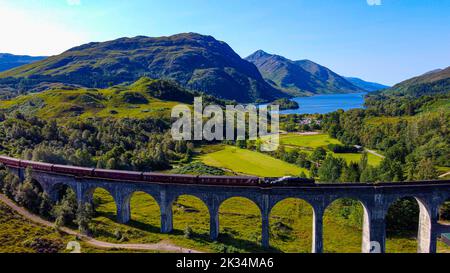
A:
(444, 212)
(144, 211)
(444, 220)
(403, 218)
(344, 226)
(291, 222)
(37, 185)
(103, 203)
(58, 191)
(240, 223)
(190, 217)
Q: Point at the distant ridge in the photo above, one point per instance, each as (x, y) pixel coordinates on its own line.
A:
(432, 82)
(300, 78)
(9, 61)
(368, 86)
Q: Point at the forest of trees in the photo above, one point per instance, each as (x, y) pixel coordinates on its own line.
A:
(128, 144)
(413, 146)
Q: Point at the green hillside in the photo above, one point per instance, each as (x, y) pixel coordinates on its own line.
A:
(433, 82)
(144, 98)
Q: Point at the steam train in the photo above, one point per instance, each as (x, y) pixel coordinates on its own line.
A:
(152, 177)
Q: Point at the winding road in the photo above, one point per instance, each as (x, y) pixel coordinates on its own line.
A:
(161, 246)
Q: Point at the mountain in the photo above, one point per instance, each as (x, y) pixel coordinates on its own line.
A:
(195, 61)
(8, 61)
(300, 78)
(433, 82)
(368, 86)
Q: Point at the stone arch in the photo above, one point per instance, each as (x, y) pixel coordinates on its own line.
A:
(190, 211)
(41, 187)
(226, 198)
(103, 200)
(286, 225)
(238, 225)
(444, 211)
(444, 222)
(419, 225)
(57, 191)
(346, 225)
(144, 210)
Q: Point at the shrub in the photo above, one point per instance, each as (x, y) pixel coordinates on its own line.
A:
(44, 245)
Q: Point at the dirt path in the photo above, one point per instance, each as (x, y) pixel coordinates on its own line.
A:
(374, 153)
(161, 246)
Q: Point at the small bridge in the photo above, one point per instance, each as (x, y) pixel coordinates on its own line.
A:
(214, 190)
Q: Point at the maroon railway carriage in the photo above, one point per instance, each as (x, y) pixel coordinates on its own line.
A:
(169, 178)
(118, 175)
(9, 161)
(73, 170)
(228, 180)
(39, 166)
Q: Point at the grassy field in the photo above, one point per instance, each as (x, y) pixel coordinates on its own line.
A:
(240, 230)
(15, 231)
(307, 143)
(249, 162)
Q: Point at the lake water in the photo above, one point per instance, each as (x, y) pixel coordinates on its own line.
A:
(323, 104)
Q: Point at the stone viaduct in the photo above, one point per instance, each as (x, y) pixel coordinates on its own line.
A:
(375, 199)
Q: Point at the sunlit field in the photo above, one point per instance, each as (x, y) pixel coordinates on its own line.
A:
(249, 162)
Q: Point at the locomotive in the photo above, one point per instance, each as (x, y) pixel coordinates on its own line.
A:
(152, 177)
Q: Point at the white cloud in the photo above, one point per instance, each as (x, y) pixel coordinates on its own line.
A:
(374, 2)
(74, 2)
(28, 32)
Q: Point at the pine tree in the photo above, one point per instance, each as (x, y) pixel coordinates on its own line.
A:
(426, 170)
(84, 216)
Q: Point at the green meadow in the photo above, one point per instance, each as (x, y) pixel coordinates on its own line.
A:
(244, 161)
(307, 141)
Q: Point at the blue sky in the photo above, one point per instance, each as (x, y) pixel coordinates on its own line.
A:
(385, 41)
